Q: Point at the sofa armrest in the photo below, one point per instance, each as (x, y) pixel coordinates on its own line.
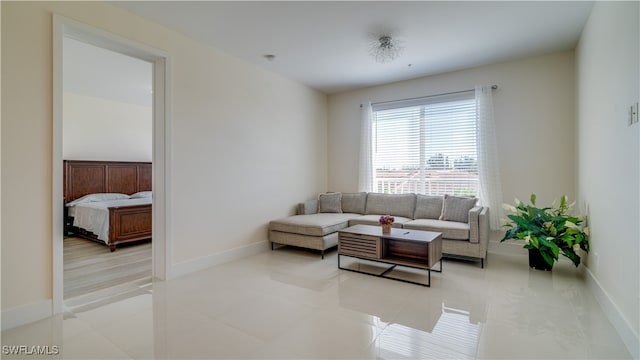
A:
(473, 224)
(483, 230)
(308, 207)
(479, 225)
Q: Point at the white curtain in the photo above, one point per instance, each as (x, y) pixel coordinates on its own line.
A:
(366, 171)
(490, 191)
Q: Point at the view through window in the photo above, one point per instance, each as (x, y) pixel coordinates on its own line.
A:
(426, 146)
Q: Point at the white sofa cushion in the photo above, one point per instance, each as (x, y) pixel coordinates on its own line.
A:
(314, 225)
(449, 229)
(354, 202)
(375, 220)
(428, 207)
(391, 204)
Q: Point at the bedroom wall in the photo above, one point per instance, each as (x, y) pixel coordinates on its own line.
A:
(107, 101)
(534, 116)
(608, 159)
(235, 163)
(103, 129)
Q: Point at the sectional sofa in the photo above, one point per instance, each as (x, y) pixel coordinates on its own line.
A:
(463, 224)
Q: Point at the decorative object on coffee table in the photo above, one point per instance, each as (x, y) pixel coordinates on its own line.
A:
(547, 232)
(386, 221)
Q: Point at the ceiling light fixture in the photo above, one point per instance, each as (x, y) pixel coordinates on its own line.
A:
(385, 49)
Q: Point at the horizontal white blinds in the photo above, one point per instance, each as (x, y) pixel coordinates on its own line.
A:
(428, 147)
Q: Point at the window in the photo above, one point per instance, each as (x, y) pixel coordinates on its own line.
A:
(426, 145)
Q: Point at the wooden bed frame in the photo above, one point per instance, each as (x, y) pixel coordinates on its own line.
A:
(126, 223)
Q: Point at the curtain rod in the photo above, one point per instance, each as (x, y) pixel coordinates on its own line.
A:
(493, 87)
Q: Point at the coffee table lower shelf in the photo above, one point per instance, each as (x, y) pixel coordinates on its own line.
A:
(394, 263)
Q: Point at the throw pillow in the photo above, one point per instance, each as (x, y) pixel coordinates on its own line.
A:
(330, 203)
(457, 208)
(142, 194)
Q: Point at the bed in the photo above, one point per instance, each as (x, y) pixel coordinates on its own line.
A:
(108, 201)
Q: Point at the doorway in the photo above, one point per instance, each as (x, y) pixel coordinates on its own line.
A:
(107, 117)
(68, 28)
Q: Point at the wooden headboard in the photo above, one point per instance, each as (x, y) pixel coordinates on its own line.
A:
(89, 177)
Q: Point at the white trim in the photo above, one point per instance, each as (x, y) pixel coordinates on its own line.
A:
(56, 158)
(161, 170)
(189, 266)
(613, 313)
(26, 314)
(161, 246)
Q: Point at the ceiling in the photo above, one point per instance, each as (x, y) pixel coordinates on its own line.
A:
(325, 44)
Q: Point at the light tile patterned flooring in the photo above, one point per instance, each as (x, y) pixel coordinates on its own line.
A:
(291, 304)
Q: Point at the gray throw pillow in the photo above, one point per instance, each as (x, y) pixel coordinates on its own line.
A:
(457, 208)
(330, 203)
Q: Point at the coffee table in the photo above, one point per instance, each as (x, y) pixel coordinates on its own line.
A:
(401, 247)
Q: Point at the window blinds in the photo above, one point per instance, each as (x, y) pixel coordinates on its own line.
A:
(426, 145)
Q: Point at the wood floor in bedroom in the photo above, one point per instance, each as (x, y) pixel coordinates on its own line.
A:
(93, 273)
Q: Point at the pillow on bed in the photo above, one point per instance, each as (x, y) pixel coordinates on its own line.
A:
(98, 197)
(141, 194)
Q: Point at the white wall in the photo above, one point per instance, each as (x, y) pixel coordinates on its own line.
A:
(608, 158)
(103, 129)
(107, 101)
(534, 112)
(245, 144)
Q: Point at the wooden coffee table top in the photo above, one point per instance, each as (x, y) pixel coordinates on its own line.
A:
(396, 233)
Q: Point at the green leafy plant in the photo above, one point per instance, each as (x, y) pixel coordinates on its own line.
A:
(550, 230)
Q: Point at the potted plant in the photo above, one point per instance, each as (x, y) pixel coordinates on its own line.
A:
(547, 232)
(386, 221)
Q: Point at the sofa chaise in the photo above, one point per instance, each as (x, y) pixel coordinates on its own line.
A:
(463, 224)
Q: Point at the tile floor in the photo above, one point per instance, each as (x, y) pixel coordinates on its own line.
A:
(290, 304)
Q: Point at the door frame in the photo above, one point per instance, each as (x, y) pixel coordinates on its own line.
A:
(161, 244)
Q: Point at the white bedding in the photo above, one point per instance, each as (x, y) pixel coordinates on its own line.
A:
(94, 216)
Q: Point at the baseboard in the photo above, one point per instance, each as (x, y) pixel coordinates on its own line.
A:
(611, 310)
(26, 314)
(201, 263)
